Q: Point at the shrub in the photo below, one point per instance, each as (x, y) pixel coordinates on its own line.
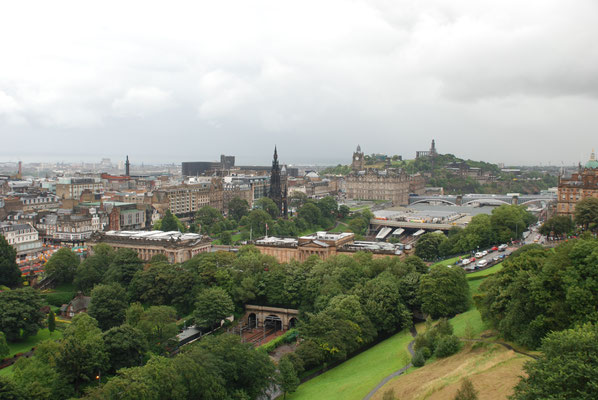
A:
(288, 337)
(59, 298)
(418, 359)
(447, 346)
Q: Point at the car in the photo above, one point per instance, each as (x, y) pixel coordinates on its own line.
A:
(501, 256)
(478, 255)
(496, 259)
(484, 253)
(494, 248)
(482, 263)
(472, 259)
(502, 247)
(466, 261)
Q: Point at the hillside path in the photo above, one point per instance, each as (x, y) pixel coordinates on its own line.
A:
(396, 373)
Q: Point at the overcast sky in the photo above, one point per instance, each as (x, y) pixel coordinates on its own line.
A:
(507, 81)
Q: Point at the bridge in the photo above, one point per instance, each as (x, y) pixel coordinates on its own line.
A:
(376, 223)
(490, 199)
(279, 318)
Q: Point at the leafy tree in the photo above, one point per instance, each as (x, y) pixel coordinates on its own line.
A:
(418, 359)
(21, 316)
(82, 355)
(4, 349)
(165, 284)
(586, 213)
(237, 208)
(9, 389)
(297, 199)
(51, 321)
(268, 205)
(93, 268)
(38, 380)
(287, 377)
(557, 225)
(310, 213)
(428, 246)
(213, 305)
(466, 391)
(208, 217)
(343, 211)
(134, 314)
(444, 292)
(328, 207)
(169, 223)
(10, 274)
(510, 221)
(226, 238)
(447, 346)
(158, 323)
(567, 369)
(257, 220)
(123, 267)
(108, 305)
(62, 265)
(125, 346)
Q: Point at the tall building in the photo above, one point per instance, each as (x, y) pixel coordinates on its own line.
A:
(358, 162)
(581, 184)
(127, 167)
(278, 185)
(429, 153)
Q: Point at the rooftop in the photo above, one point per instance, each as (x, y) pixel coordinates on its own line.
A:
(155, 235)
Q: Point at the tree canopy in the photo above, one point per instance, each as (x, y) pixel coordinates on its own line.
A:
(586, 213)
(21, 316)
(62, 265)
(10, 274)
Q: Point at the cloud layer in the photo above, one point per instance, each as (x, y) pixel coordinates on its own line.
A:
(504, 81)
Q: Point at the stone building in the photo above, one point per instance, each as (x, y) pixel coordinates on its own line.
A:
(186, 200)
(278, 185)
(23, 237)
(358, 161)
(177, 247)
(71, 188)
(581, 184)
(323, 245)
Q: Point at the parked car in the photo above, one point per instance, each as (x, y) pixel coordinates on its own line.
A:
(496, 259)
(484, 253)
(478, 255)
(502, 247)
(482, 263)
(466, 261)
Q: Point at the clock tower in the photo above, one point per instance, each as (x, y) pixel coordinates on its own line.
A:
(358, 164)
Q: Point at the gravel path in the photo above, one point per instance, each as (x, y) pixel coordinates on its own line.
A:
(396, 373)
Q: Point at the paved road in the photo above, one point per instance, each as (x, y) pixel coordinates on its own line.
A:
(396, 373)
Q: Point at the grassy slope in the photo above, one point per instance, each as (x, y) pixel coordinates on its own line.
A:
(485, 272)
(354, 378)
(493, 370)
(6, 371)
(31, 341)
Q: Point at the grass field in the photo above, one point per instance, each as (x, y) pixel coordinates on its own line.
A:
(486, 272)
(31, 341)
(448, 261)
(354, 378)
(6, 371)
(493, 370)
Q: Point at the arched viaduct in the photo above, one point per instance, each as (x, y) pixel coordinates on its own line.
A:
(279, 318)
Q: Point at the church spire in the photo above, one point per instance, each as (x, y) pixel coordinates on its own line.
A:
(127, 166)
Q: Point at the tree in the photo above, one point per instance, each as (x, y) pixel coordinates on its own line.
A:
(444, 292)
(586, 213)
(62, 265)
(125, 346)
(509, 222)
(169, 222)
(310, 213)
(567, 369)
(9, 389)
(108, 305)
(93, 268)
(82, 354)
(21, 316)
(123, 267)
(557, 225)
(51, 321)
(207, 217)
(158, 323)
(287, 376)
(268, 205)
(466, 391)
(4, 349)
(257, 220)
(10, 274)
(226, 238)
(212, 306)
(428, 246)
(447, 346)
(343, 211)
(297, 199)
(238, 208)
(38, 380)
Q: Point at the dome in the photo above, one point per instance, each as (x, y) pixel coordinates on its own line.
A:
(592, 163)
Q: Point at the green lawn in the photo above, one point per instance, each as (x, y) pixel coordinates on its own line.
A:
(354, 378)
(486, 272)
(448, 261)
(31, 341)
(6, 371)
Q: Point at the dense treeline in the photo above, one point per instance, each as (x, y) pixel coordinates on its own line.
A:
(541, 290)
(506, 223)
